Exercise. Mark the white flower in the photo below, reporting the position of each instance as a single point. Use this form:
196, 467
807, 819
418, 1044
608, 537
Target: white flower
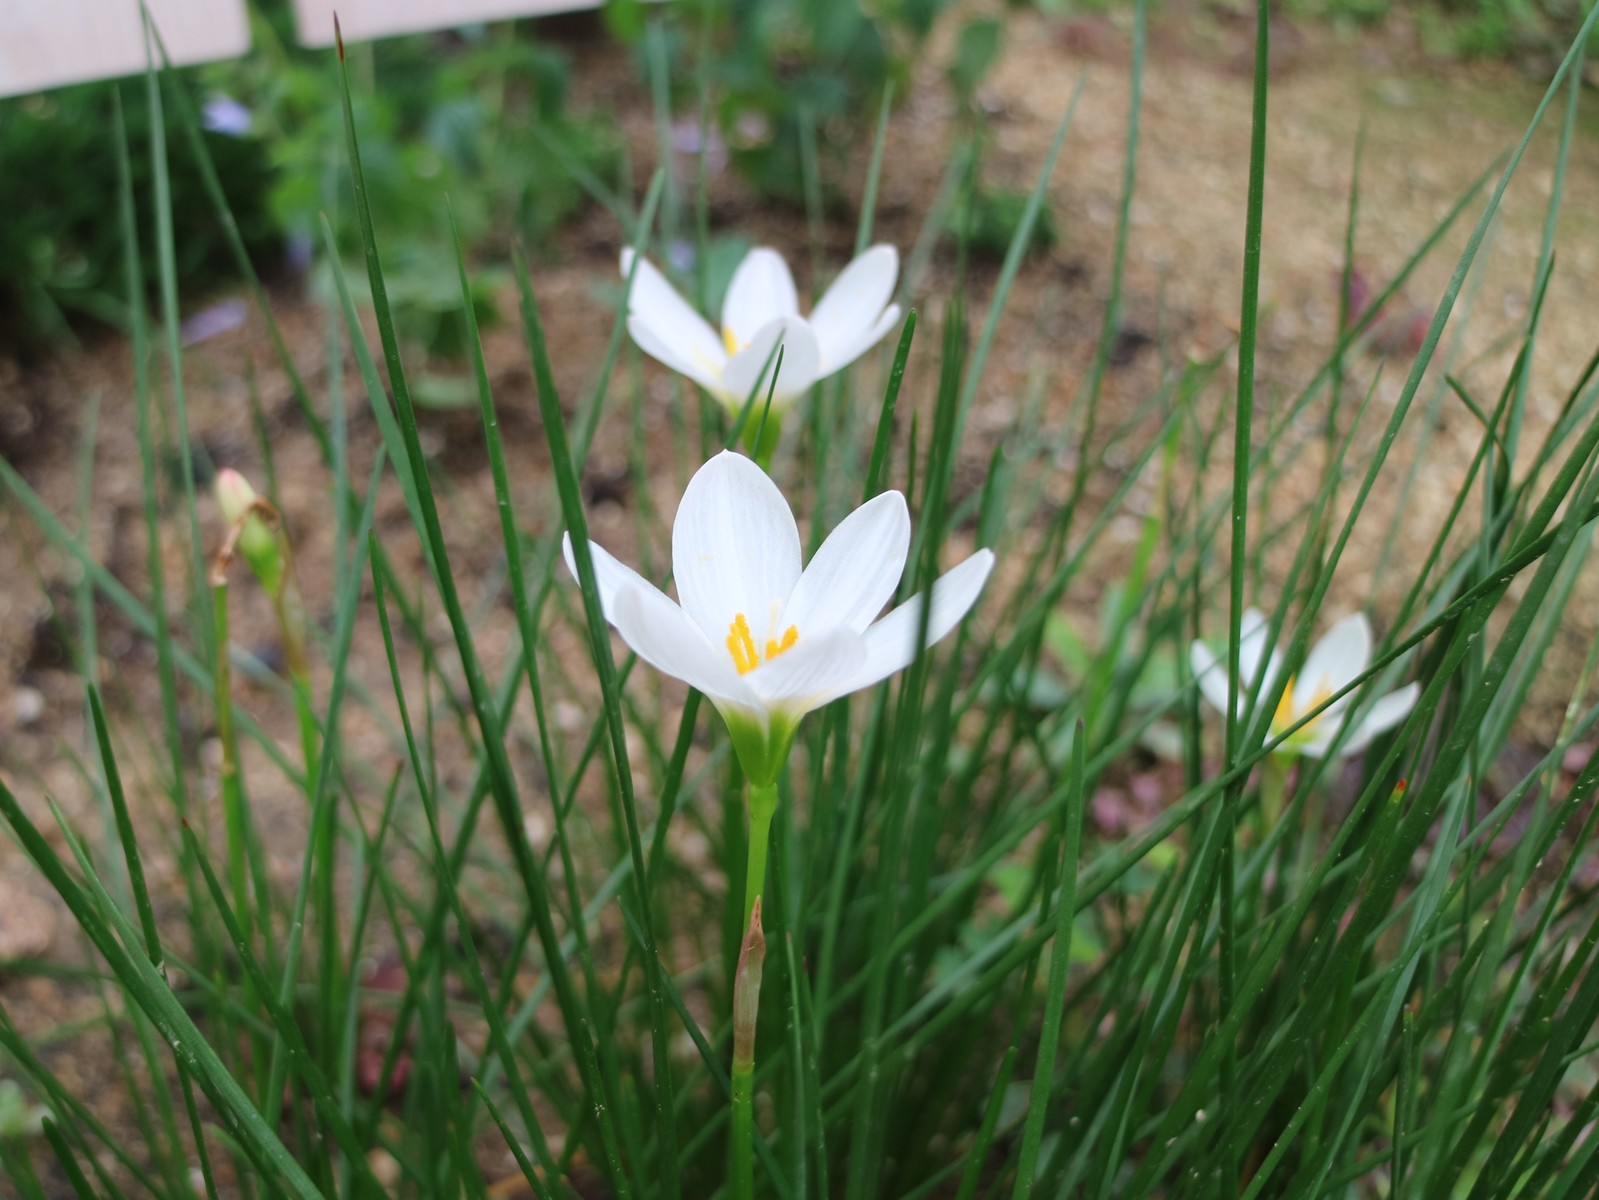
764, 640
1340, 657
761, 310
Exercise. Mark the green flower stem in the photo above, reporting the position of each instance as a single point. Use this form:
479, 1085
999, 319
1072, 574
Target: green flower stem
290, 610
1273, 787
292, 627
746, 1010
763, 803
232, 798
747, 995
235, 820
761, 435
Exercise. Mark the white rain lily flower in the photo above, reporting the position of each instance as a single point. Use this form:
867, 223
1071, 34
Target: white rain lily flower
761, 310
1340, 657
764, 640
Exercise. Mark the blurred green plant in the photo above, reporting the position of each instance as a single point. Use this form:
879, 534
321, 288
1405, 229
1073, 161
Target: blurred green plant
480, 116
786, 71
60, 259
1389, 988
790, 78
1467, 28
19, 1117
989, 217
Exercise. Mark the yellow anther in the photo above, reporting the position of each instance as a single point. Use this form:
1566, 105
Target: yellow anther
741, 645
730, 340
1287, 714
1284, 716
774, 648
1322, 694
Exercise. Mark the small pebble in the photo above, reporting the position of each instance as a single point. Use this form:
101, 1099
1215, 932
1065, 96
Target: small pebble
27, 706
537, 827
27, 923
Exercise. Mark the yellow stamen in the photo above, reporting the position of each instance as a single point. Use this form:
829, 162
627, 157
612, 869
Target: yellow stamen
730, 340
774, 648
741, 645
1287, 714
1284, 716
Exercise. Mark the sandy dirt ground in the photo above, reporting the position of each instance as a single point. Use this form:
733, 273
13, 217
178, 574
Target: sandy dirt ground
1430, 128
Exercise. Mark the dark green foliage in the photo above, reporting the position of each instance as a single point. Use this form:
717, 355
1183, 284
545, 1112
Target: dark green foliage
60, 258
1289, 978
1512, 29
483, 120
976, 48
989, 219
780, 70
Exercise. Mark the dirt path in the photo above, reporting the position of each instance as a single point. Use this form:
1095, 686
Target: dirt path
1430, 131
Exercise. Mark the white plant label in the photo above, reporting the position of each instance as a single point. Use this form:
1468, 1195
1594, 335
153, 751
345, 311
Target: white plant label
364, 20
50, 43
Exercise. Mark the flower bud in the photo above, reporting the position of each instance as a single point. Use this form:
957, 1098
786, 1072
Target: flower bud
235, 496
747, 992
241, 507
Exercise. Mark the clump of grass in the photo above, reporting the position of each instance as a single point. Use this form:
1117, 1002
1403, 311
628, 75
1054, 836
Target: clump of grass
1301, 976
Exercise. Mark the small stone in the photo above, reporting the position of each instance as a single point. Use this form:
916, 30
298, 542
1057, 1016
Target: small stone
27, 923
537, 827
385, 1167
27, 706
692, 848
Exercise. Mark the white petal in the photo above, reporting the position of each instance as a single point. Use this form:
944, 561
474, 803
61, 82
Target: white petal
891, 642
673, 321
735, 549
612, 575
703, 371
1316, 748
1252, 646
811, 673
798, 372
1333, 662
1211, 674
1382, 716
762, 289
837, 357
850, 315
855, 571
662, 635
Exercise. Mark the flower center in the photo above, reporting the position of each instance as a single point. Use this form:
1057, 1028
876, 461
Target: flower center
1287, 714
746, 655
730, 340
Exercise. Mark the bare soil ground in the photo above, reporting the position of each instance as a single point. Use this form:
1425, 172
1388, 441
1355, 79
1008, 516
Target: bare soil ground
1431, 129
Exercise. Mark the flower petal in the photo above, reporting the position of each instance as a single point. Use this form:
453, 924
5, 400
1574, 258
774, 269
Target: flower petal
837, 356
610, 574
654, 303
891, 642
662, 635
1383, 715
762, 290
701, 370
1252, 646
798, 372
735, 549
849, 316
1211, 674
1333, 662
810, 674
855, 571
